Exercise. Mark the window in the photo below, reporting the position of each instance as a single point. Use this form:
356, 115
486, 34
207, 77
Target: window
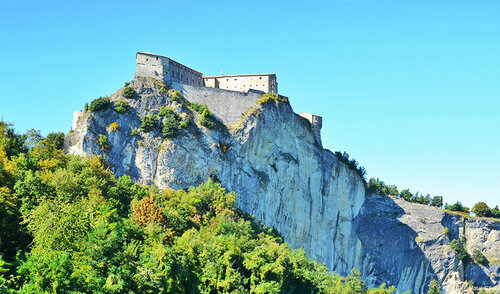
146, 59
235, 79
156, 57
227, 79
260, 78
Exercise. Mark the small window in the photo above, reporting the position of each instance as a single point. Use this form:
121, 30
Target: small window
235, 79
146, 59
227, 79
260, 78
156, 57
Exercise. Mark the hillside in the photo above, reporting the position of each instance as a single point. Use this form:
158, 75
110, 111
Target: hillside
282, 175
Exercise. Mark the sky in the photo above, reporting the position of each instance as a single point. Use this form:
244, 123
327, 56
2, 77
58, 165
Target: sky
410, 89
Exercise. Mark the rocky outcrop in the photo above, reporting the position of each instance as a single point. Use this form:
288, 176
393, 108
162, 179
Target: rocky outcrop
286, 179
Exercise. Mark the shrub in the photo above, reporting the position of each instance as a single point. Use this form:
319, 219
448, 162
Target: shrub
185, 123
140, 143
351, 163
379, 187
98, 104
128, 92
134, 132
121, 107
174, 95
103, 142
148, 122
462, 254
113, 126
457, 207
481, 209
164, 111
170, 125
479, 257
207, 120
198, 107
446, 230
126, 84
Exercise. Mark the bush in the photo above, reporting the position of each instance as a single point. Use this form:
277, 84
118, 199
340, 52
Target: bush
164, 111
170, 124
128, 92
481, 209
113, 126
100, 103
462, 254
269, 96
185, 123
479, 257
457, 207
103, 142
446, 230
437, 201
174, 95
126, 84
148, 122
121, 107
207, 120
134, 132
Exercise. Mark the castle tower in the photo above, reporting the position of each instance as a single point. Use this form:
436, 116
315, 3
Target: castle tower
316, 124
166, 70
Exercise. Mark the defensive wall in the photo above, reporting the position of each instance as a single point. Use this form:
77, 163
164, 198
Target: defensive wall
225, 104
316, 124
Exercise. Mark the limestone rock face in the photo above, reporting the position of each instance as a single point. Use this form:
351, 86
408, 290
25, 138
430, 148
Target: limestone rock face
284, 178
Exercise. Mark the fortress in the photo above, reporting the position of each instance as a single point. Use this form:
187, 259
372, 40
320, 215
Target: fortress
226, 95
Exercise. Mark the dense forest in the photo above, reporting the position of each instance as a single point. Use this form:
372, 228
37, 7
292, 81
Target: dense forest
68, 225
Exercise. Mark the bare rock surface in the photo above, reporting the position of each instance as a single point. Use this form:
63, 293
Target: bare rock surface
284, 178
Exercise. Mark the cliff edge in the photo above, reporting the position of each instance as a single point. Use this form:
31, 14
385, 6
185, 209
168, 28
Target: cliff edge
271, 157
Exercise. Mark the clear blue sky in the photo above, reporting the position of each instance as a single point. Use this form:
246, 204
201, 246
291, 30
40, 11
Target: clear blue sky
409, 88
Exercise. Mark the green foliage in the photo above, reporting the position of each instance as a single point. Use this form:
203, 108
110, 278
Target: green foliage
437, 201
175, 95
171, 124
457, 207
479, 257
99, 104
185, 123
128, 92
434, 288
462, 253
122, 106
351, 163
446, 230
148, 123
495, 212
103, 142
56, 140
481, 209
126, 84
134, 132
379, 187
207, 120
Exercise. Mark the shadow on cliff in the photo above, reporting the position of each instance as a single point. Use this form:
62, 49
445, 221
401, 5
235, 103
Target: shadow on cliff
390, 252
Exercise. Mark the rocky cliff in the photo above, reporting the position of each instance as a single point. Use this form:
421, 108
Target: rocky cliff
286, 179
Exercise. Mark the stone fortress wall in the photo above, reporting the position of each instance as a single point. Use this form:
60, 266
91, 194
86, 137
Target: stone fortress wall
262, 82
227, 96
166, 69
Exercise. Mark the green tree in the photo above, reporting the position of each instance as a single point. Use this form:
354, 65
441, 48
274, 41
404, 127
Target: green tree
434, 288
481, 209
